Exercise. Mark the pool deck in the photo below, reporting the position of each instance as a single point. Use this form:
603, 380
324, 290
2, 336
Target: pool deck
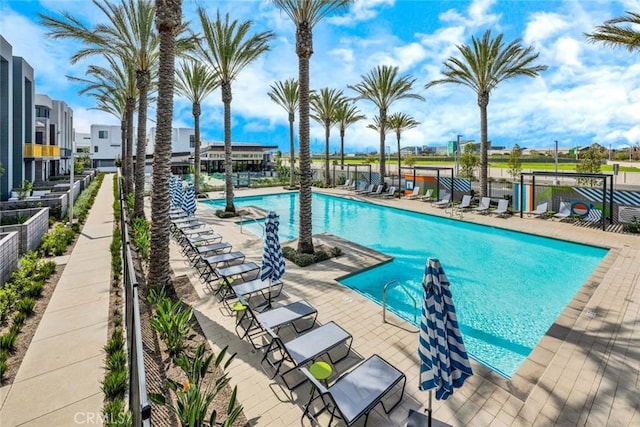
585, 371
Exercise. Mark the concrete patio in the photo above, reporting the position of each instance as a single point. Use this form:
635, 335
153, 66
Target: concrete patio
585, 371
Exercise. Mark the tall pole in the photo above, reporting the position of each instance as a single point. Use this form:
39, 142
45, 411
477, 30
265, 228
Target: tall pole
556, 182
457, 155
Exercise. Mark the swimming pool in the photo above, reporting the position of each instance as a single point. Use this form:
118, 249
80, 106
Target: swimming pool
508, 287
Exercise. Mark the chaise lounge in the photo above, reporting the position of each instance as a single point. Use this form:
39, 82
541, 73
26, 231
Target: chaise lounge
357, 392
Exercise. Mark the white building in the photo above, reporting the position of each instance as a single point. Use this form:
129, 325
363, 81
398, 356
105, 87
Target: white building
54, 127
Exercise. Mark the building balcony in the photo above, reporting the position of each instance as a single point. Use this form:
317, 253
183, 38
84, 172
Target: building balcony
41, 152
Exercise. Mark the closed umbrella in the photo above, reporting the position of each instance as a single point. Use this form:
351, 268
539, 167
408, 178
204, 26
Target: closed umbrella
444, 364
173, 186
273, 265
189, 201
179, 193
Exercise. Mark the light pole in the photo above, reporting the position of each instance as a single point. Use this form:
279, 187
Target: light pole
457, 156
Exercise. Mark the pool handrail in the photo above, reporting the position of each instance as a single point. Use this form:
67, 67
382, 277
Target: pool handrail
384, 299
248, 218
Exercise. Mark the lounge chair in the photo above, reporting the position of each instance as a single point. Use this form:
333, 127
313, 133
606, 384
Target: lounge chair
465, 203
414, 194
445, 202
367, 190
427, 196
564, 211
304, 349
346, 184
501, 210
251, 324
357, 392
483, 207
540, 211
206, 265
376, 193
389, 194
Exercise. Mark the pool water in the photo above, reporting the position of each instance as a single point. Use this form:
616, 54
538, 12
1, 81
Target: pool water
508, 287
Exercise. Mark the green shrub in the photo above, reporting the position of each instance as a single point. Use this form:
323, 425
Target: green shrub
140, 237
3, 367
55, 241
19, 318
632, 227
173, 323
116, 361
8, 340
115, 384
116, 414
303, 260
116, 343
35, 290
26, 305
116, 256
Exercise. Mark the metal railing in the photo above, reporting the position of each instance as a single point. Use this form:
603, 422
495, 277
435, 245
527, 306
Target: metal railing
384, 299
139, 404
244, 218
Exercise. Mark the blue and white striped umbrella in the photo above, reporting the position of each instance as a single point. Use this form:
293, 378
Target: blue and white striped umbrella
273, 264
189, 201
179, 193
444, 361
172, 190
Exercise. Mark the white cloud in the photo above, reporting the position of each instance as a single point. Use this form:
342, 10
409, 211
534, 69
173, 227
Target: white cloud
361, 10
542, 26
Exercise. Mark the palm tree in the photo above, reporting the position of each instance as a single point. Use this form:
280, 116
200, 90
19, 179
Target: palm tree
168, 23
305, 14
228, 49
195, 81
346, 115
115, 91
129, 34
324, 108
482, 66
618, 32
398, 123
383, 87
286, 95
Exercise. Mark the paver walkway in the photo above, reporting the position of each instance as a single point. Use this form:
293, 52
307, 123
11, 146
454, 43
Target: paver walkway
58, 383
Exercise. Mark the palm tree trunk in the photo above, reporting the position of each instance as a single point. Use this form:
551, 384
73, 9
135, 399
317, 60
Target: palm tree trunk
399, 163
383, 132
228, 164
196, 149
131, 108
304, 49
327, 133
483, 101
342, 148
168, 17
292, 154
143, 79
123, 143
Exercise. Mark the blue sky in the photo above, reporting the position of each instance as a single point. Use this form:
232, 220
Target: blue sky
590, 93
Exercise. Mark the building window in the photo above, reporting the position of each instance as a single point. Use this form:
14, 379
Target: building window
192, 141
95, 149
103, 134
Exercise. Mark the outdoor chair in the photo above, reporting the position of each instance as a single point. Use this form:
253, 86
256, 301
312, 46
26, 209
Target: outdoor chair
389, 194
366, 190
206, 265
501, 210
564, 211
444, 202
414, 194
216, 248
251, 324
377, 192
483, 207
540, 211
265, 288
427, 196
304, 349
346, 185
465, 203
190, 245
357, 392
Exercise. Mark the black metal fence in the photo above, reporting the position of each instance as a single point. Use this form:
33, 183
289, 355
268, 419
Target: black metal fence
138, 399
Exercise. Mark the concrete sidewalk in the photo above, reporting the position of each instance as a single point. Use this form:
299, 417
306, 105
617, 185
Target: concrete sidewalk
58, 383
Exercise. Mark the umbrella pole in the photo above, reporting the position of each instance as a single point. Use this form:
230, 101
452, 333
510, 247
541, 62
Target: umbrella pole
430, 409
